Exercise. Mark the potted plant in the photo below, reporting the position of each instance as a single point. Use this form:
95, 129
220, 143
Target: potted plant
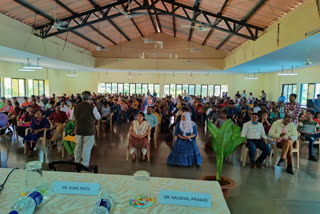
224, 141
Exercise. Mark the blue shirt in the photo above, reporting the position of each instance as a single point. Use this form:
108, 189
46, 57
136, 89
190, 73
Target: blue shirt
3, 120
282, 99
316, 103
152, 119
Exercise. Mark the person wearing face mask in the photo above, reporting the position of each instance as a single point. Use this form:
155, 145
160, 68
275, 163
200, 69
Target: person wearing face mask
285, 133
255, 134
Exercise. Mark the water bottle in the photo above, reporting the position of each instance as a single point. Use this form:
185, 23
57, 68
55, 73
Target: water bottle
104, 203
39, 195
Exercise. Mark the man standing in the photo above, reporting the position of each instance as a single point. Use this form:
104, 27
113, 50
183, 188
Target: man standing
244, 95
292, 108
255, 134
309, 129
284, 132
85, 115
152, 119
282, 98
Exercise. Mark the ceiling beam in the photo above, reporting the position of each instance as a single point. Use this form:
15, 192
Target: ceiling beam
245, 19
146, 4
215, 22
90, 18
81, 19
157, 17
173, 21
132, 20
96, 6
195, 15
51, 19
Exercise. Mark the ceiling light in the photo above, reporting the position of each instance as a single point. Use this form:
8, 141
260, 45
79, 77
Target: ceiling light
287, 74
71, 75
35, 67
251, 78
26, 69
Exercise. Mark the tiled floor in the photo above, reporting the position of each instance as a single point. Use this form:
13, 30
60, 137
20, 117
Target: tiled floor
260, 191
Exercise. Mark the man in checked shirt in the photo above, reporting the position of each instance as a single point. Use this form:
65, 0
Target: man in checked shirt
292, 108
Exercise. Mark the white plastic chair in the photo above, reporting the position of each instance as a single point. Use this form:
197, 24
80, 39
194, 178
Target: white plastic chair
245, 150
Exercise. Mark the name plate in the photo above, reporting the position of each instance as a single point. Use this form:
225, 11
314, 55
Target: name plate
76, 188
191, 199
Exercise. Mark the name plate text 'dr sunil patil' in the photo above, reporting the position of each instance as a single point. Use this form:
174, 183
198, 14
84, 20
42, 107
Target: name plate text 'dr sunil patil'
76, 188
191, 199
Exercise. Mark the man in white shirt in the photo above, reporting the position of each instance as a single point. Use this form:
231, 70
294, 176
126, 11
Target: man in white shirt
244, 95
255, 134
63, 106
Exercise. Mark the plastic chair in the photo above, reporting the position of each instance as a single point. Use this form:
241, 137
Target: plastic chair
110, 121
245, 150
148, 150
43, 142
70, 166
276, 151
303, 141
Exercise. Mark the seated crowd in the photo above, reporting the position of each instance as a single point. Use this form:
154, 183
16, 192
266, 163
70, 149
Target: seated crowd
264, 124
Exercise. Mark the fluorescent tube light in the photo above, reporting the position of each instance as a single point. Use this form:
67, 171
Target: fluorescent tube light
251, 78
25, 69
33, 67
71, 75
287, 74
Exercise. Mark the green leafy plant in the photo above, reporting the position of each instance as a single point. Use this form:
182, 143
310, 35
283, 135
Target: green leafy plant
224, 141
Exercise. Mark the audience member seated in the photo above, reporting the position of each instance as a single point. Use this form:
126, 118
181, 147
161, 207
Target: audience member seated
105, 111
50, 109
265, 122
309, 130
3, 122
40, 103
152, 119
63, 106
139, 131
38, 126
58, 119
26, 103
153, 109
34, 105
69, 141
285, 133
13, 115
25, 121
241, 116
44, 100
69, 112
255, 134
185, 151
317, 117
6, 109
3, 102
256, 108
275, 114
224, 117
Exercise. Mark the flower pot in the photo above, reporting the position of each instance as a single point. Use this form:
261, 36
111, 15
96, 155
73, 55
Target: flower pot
225, 183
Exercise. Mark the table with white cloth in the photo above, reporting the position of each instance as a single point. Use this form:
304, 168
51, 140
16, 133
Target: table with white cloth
122, 185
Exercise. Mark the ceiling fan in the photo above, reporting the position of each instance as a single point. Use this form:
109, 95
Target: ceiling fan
200, 27
58, 24
125, 13
308, 62
192, 50
148, 41
99, 49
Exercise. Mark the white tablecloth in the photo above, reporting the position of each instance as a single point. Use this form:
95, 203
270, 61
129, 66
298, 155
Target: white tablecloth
123, 186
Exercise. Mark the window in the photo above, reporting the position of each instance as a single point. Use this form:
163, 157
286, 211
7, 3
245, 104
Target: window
204, 90
108, 88
120, 88
35, 87
224, 88
178, 90
186, 88
210, 90
14, 87
157, 89
172, 90
102, 88
308, 91
126, 88
138, 88
288, 89
151, 88
191, 90
198, 90
132, 88
144, 89
114, 88
166, 90
217, 90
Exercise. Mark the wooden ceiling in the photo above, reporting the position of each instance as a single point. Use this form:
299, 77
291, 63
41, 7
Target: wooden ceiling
259, 13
